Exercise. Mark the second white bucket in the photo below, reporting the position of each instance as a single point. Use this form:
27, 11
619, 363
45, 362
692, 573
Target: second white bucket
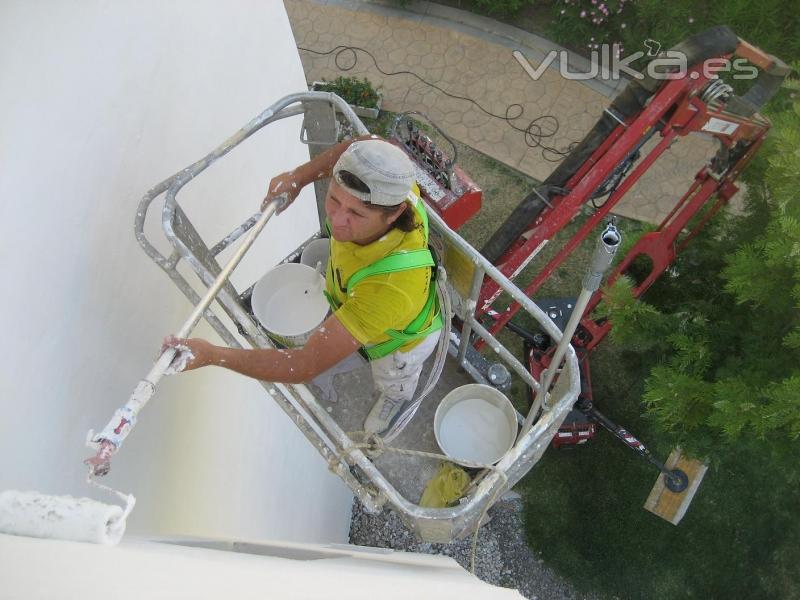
315, 252
289, 303
475, 423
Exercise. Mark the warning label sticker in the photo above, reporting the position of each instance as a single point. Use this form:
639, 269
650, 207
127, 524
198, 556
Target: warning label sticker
719, 126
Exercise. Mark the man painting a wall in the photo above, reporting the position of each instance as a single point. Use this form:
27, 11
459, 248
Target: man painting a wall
378, 280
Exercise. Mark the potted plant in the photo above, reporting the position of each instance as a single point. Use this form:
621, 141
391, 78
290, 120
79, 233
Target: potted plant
358, 93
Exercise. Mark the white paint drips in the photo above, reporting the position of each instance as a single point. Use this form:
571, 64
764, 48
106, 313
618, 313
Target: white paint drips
182, 358
236, 233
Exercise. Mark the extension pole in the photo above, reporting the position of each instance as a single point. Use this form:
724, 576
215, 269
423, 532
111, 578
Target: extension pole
604, 253
110, 439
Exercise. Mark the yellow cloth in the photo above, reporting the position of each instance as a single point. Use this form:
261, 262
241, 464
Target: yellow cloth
446, 487
380, 302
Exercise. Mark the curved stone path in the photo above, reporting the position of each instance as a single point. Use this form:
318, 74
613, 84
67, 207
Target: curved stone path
468, 55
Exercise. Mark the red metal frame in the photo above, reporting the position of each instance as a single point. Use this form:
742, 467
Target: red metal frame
678, 110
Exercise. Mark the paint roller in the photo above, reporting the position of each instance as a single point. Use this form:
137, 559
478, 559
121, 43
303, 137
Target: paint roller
85, 520
62, 517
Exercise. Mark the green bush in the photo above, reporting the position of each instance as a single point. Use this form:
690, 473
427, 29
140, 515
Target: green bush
500, 7
714, 353
772, 25
730, 348
589, 23
352, 90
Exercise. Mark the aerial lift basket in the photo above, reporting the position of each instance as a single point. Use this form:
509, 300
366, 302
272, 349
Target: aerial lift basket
323, 114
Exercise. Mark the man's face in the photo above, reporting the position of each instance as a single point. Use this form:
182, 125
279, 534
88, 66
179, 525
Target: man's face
352, 220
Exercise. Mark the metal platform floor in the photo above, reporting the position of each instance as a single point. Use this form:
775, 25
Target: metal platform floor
346, 391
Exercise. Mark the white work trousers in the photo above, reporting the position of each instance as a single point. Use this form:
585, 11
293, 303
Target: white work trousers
396, 375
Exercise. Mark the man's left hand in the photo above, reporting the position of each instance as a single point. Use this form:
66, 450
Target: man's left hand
193, 353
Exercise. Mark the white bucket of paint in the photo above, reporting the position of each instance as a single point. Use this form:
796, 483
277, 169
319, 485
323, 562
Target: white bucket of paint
475, 423
289, 303
315, 252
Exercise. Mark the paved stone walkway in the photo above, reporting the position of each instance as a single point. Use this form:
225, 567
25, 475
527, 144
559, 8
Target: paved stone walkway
471, 56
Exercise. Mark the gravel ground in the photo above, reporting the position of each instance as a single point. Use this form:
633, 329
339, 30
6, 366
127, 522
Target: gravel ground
502, 557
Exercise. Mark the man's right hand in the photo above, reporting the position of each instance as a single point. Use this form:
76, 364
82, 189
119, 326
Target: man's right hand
319, 167
285, 183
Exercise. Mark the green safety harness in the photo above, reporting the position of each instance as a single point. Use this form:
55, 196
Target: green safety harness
392, 263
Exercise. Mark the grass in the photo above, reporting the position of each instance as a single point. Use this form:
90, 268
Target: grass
584, 514
583, 507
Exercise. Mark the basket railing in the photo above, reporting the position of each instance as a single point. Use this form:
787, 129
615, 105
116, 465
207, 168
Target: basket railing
344, 456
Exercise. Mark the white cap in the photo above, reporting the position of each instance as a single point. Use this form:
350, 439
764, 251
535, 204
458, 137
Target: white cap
382, 167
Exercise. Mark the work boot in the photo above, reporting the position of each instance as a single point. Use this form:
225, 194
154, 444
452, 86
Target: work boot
382, 414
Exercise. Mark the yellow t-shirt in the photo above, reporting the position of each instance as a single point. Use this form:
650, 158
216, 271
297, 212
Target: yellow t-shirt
380, 302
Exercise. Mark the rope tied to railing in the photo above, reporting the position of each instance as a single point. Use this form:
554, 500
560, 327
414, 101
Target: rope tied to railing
374, 445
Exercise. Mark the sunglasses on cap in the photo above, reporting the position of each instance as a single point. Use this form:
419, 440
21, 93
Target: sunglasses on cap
351, 181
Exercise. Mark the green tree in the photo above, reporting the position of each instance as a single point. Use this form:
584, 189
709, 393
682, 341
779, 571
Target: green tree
725, 331
721, 331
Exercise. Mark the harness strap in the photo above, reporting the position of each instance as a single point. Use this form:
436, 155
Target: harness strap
401, 261
401, 338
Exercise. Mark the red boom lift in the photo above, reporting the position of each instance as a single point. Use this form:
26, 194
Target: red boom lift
607, 163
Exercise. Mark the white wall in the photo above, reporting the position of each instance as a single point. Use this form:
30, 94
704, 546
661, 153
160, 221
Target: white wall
136, 570
99, 101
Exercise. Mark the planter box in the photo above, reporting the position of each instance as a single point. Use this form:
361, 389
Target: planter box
367, 113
